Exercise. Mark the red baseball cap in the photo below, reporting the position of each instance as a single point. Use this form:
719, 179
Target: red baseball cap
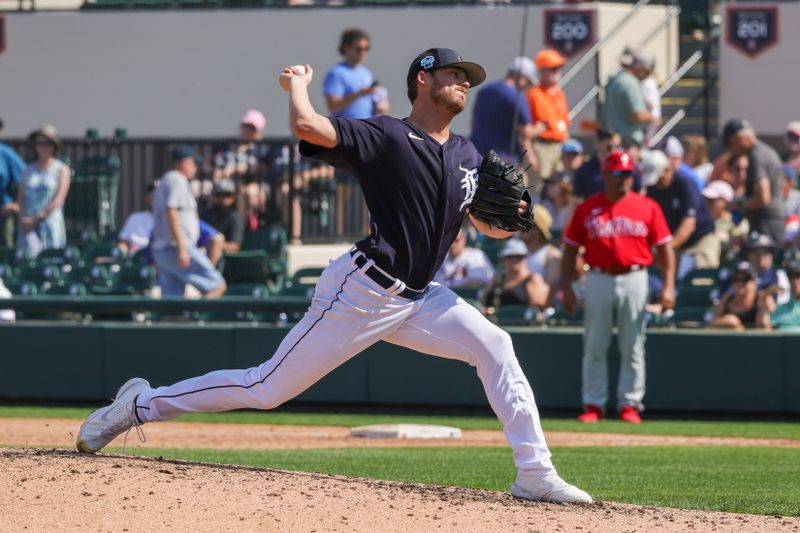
618, 161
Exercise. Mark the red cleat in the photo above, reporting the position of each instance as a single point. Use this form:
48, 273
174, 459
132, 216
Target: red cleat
591, 415
630, 414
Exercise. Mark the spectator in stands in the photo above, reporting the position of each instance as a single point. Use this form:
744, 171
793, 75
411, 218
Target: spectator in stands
786, 317
138, 228
501, 119
759, 250
558, 199
465, 266
549, 113
744, 306
515, 284
543, 258
42, 191
349, 88
11, 168
253, 207
792, 141
675, 152
719, 195
224, 217
652, 98
696, 155
624, 109
176, 230
571, 157
762, 202
249, 155
691, 225
588, 179
791, 196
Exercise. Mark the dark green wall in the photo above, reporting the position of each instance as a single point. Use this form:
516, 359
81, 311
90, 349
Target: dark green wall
701, 371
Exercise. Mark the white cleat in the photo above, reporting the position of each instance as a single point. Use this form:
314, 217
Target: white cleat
547, 488
105, 424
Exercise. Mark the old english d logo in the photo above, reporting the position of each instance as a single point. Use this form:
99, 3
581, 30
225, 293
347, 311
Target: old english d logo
469, 184
751, 30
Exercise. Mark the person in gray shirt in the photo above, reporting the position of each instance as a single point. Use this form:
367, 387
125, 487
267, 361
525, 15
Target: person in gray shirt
624, 109
176, 228
762, 202
791, 196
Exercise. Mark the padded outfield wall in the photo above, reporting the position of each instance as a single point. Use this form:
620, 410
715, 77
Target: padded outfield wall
687, 371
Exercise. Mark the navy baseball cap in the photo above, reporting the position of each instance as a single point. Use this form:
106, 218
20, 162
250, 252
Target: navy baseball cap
182, 151
434, 58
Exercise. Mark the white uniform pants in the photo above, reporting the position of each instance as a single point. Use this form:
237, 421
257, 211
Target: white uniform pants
350, 312
608, 298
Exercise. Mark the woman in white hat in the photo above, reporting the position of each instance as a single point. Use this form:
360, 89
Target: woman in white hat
42, 190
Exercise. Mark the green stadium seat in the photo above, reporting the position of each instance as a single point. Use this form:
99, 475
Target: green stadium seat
39, 274
90, 275
134, 279
246, 267
491, 247
8, 255
691, 317
272, 240
59, 256
62, 288
20, 287
561, 318
516, 315
699, 288
468, 293
104, 252
254, 290
302, 283
7, 272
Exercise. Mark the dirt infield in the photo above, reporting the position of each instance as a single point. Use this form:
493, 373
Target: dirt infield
44, 490
61, 433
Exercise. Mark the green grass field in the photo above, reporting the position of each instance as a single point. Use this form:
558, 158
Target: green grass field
772, 430
741, 480
756, 480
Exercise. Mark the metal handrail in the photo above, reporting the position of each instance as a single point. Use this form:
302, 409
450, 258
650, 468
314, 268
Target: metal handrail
595, 90
688, 64
589, 55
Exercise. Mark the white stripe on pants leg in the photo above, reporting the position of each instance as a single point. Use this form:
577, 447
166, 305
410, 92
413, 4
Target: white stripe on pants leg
345, 318
608, 297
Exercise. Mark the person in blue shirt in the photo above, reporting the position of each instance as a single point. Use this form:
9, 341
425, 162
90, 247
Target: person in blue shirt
500, 118
675, 152
11, 167
686, 212
349, 88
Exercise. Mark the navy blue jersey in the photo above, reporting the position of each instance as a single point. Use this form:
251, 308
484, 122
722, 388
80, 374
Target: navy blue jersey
680, 200
417, 190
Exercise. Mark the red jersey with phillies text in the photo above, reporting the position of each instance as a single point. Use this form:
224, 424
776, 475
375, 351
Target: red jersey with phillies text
618, 234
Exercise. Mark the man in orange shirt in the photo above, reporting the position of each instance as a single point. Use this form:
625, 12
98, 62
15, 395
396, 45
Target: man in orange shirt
549, 113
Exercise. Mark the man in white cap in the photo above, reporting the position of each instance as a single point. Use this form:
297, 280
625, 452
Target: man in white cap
686, 212
624, 109
500, 119
675, 152
792, 141
719, 195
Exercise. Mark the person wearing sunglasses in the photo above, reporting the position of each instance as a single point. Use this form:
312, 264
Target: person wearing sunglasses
792, 141
743, 306
618, 229
349, 88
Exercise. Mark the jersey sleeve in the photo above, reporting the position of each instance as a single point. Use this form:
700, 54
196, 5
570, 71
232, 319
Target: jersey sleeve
659, 231
575, 233
359, 142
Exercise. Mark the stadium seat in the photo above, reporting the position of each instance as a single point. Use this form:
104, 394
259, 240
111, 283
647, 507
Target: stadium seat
134, 279
561, 318
8, 255
691, 317
302, 283
7, 272
59, 256
516, 315
491, 247
272, 240
104, 252
62, 288
39, 274
246, 267
699, 288
90, 275
20, 287
254, 290
468, 293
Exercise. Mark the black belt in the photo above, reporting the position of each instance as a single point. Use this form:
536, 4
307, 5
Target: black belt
384, 280
618, 270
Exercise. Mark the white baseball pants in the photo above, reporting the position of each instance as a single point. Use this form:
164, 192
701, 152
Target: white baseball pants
610, 301
350, 312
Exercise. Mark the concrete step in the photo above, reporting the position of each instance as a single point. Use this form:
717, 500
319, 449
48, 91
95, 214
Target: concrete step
689, 88
681, 101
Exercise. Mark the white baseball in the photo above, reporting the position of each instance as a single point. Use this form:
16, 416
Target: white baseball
299, 69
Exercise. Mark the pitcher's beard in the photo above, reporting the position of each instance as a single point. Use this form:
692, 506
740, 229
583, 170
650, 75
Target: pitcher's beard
449, 101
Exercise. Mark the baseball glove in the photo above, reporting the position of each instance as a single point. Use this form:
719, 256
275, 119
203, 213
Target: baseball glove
497, 196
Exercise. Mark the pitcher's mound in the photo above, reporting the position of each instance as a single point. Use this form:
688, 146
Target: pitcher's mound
47, 489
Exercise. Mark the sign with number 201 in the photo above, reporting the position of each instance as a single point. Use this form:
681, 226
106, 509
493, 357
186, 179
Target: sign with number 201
752, 30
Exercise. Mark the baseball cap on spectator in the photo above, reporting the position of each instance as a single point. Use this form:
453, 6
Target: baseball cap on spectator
632, 56
255, 118
225, 186
744, 267
618, 161
759, 241
732, 127
654, 163
572, 146
513, 248
435, 58
793, 269
543, 220
718, 189
524, 67
182, 151
549, 59
673, 147
793, 127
